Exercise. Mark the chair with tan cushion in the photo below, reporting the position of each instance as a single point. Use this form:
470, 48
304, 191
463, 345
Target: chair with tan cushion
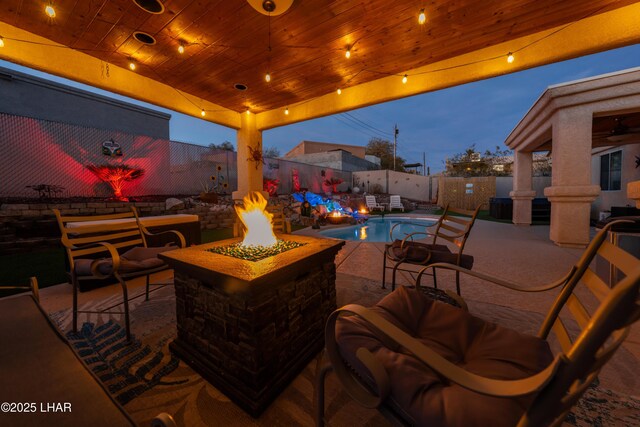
110, 246
423, 362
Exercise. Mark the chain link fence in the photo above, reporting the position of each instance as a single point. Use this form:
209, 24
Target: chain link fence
40, 155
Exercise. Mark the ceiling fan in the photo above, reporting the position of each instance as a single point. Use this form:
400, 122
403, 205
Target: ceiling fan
620, 133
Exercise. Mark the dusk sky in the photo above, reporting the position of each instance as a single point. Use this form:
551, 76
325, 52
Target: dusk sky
440, 123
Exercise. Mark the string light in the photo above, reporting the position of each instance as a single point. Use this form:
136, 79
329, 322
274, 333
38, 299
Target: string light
286, 111
1, 42
132, 65
339, 91
404, 79
202, 113
347, 54
181, 48
50, 11
267, 77
510, 57
422, 18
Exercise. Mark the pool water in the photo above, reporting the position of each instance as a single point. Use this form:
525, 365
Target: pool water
377, 229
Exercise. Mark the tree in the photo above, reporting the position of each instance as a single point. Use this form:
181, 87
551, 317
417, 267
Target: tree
383, 149
271, 152
226, 145
473, 163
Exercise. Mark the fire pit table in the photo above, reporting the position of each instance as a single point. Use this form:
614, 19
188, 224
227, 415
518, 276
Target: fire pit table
249, 327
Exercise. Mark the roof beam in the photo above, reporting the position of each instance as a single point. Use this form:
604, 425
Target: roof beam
62, 61
609, 30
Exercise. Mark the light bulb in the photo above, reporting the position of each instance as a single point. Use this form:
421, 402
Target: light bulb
404, 79
267, 77
132, 65
422, 18
339, 91
510, 58
347, 54
202, 113
286, 111
248, 113
181, 48
49, 10
1, 42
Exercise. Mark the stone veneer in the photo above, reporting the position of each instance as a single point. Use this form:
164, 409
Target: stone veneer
24, 226
250, 327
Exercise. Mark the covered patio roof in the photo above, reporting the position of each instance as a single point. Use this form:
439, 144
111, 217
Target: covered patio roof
227, 42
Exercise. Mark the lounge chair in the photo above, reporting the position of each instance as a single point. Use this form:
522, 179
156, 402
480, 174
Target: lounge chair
372, 203
395, 203
422, 362
450, 227
87, 237
39, 368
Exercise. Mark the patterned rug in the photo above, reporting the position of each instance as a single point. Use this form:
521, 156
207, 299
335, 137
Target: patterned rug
147, 379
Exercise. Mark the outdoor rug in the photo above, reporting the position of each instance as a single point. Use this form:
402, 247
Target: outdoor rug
147, 379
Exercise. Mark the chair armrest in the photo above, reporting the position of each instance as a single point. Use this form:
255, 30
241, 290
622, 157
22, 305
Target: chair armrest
181, 241
115, 257
496, 280
390, 333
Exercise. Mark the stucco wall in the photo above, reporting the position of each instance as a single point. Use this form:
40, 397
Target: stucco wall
606, 199
28, 96
407, 185
310, 147
334, 159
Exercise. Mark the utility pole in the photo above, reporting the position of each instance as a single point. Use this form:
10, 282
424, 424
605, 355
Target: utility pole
395, 141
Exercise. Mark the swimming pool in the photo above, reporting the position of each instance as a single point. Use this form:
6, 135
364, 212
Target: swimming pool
377, 229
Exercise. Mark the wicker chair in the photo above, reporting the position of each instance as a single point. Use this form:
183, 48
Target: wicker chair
86, 237
450, 227
469, 371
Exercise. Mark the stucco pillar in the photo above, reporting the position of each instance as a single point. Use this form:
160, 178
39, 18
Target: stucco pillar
571, 192
522, 193
249, 171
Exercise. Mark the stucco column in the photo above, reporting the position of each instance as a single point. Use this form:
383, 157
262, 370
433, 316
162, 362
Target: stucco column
522, 193
249, 171
571, 192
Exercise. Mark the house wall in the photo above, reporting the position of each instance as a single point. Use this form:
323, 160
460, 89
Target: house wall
29, 96
340, 160
630, 172
310, 147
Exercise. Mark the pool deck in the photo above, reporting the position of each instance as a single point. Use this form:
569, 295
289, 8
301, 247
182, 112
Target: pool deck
522, 254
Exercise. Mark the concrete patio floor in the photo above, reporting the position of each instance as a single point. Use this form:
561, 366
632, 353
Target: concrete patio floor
520, 254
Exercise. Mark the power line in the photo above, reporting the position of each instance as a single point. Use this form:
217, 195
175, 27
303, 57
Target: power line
367, 124
347, 123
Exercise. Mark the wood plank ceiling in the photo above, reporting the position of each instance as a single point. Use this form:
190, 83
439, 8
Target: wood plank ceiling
227, 40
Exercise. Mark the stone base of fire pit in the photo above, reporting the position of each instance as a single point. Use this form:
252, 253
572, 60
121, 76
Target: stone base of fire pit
250, 327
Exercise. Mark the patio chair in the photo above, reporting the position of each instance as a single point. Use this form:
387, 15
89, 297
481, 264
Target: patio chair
395, 203
422, 362
87, 237
372, 203
450, 227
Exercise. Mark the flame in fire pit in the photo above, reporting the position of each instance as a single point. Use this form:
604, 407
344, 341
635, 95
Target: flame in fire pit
257, 221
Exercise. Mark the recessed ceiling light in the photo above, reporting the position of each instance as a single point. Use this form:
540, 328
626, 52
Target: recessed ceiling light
152, 6
50, 11
143, 37
240, 86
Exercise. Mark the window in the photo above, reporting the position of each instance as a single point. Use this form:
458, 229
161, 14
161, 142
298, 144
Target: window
611, 171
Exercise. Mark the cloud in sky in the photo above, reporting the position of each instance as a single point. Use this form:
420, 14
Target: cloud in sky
440, 123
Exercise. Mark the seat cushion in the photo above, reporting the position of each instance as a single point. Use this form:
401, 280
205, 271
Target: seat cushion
466, 261
478, 346
415, 251
135, 259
